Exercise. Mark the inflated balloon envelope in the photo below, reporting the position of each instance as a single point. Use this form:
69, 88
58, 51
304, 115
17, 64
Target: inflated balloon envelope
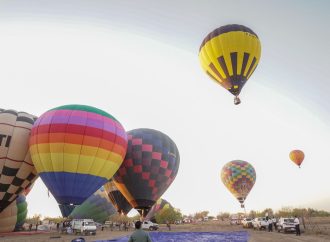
17, 171
239, 177
13, 217
229, 55
150, 166
76, 149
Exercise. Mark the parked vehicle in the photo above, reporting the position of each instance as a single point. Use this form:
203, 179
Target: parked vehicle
83, 226
260, 223
247, 223
149, 225
286, 225
235, 219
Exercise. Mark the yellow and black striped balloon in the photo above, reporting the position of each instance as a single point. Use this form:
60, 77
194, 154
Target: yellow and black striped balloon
229, 55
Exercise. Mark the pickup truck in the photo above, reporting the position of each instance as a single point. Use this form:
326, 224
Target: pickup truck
148, 225
260, 223
286, 225
83, 226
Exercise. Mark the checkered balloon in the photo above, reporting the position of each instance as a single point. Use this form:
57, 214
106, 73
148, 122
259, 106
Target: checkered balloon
17, 171
150, 166
239, 177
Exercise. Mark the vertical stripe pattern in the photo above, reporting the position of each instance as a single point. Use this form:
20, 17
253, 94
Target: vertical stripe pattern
229, 55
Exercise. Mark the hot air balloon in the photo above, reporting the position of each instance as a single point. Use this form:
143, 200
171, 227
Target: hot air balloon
76, 149
229, 55
13, 217
17, 171
150, 166
239, 177
156, 208
117, 199
297, 156
97, 207
28, 189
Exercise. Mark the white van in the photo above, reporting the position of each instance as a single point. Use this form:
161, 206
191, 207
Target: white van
83, 226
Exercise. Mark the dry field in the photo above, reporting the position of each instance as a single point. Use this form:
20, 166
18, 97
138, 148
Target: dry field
320, 233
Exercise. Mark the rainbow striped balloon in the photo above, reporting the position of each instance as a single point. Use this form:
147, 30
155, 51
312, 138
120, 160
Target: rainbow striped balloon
76, 149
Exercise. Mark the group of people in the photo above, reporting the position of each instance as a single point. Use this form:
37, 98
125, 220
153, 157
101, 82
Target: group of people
121, 226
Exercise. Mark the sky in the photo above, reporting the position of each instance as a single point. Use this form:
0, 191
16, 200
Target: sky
139, 62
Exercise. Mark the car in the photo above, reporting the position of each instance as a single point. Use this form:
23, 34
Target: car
259, 223
286, 225
83, 226
247, 223
148, 225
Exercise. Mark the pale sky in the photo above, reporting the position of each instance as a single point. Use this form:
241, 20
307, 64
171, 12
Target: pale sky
139, 62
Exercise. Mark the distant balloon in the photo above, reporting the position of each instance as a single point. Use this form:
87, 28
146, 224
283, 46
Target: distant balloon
97, 207
76, 149
13, 217
239, 177
297, 156
150, 166
117, 199
17, 171
157, 208
229, 55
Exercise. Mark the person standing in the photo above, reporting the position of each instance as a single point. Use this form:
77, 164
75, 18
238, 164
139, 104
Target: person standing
270, 225
139, 235
297, 225
168, 225
275, 223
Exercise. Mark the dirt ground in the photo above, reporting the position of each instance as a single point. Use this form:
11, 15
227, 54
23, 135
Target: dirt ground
254, 236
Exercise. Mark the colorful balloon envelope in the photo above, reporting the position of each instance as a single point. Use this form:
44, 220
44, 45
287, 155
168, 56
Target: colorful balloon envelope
156, 208
297, 156
17, 171
13, 217
229, 55
97, 207
239, 177
117, 199
150, 166
76, 149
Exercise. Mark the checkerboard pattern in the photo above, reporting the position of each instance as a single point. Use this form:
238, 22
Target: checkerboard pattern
150, 166
239, 177
17, 171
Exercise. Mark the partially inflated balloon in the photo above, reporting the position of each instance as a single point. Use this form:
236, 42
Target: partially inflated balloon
157, 208
297, 156
97, 207
13, 217
239, 177
21, 212
117, 199
150, 166
17, 171
76, 149
229, 55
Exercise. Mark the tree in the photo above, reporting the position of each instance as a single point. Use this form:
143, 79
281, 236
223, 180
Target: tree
34, 220
223, 215
201, 215
169, 214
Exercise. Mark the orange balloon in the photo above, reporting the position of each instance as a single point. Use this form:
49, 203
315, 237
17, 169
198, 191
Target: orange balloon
297, 156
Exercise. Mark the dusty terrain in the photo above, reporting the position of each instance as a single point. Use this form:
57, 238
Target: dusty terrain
254, 236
